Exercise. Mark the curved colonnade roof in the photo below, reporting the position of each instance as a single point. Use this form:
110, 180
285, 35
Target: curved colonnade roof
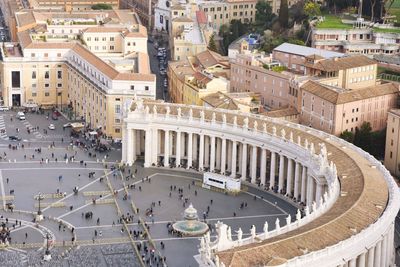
363, 199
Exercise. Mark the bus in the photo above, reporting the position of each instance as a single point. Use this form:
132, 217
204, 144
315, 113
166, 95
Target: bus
221, 181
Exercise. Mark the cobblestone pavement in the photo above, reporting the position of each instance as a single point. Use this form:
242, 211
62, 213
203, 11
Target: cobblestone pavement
84, 228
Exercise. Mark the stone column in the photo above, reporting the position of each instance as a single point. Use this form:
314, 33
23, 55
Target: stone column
218, 158
148, 151
310, 190
154, 145
384, 251
234, 159
178, 149
371, 257
229, 155
352, 262
244, 161
124, 144
201, 152
212, 155
281, 172
206, 151
166, 148
195, 147
303, 195
296, 181
129, 147
240, 155
190, 150
263, 167
272, 170
361, 260
254, 165
318, 193
134, 145
289, 177
378, 253
223, 156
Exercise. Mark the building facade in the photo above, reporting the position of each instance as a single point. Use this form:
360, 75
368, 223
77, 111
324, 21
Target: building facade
356, 41
392, 147
90, 72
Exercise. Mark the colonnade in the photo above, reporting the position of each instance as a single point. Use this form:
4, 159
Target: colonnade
379, 255
272, 170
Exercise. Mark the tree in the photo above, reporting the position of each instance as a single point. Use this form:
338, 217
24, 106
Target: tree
363, 137
284, 14
264, 16
101, 6
312, 9
211, 44
348, 136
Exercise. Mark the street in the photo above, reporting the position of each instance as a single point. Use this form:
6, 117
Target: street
161, 91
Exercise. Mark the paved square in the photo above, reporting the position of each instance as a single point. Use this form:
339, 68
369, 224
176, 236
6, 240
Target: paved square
85, 228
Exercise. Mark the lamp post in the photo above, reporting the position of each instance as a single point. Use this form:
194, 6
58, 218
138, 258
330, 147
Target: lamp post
47, 255
39, 216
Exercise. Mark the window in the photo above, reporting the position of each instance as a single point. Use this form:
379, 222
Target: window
111, 39
146, 88
132, 87
59, 74
117, 109
391, 154
104, 39
46, 94
34, 94
117, 130
111, 47
46, 74
46, 85
88, 39
161, 19
58, 54
15, 79
46, 54
117, 121
33, 85
33, 74
33, 55
96, 39
59, 85
46, 66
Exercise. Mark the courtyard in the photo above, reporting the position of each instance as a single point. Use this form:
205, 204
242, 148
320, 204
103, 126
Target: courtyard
98, 213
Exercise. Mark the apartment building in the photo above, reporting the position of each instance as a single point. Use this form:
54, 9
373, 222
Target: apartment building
365, 41
190, 34
195, 77
293, 57
250, 73
56, 63
330, 91
218, 12
334, 110
392, 147
74, 5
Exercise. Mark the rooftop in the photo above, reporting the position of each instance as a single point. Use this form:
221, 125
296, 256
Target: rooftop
335, 96
343, 63
333, 22
305, 51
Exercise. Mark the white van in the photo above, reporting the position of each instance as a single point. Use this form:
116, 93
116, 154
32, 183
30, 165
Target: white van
21, 116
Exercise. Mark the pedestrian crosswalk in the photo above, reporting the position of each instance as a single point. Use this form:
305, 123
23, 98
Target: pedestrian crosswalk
36, 133
3, 131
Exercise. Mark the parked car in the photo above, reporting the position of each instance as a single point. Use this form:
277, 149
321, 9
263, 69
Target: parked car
52, 127
21, 116
67, 125
3, 108
14, 138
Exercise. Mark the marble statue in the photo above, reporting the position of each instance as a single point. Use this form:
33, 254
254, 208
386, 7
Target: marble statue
283, 133
264, 127
229, 233
239, 234
224, 118
179, 112
190, 113
288, 219
273, 130
298, 215
155, 109
168, 110
246, 123
277, 224
202, 115
235, 121
265, 229
253, 231
213, 117
255, 125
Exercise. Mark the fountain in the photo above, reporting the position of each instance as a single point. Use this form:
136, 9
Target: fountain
191, 226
